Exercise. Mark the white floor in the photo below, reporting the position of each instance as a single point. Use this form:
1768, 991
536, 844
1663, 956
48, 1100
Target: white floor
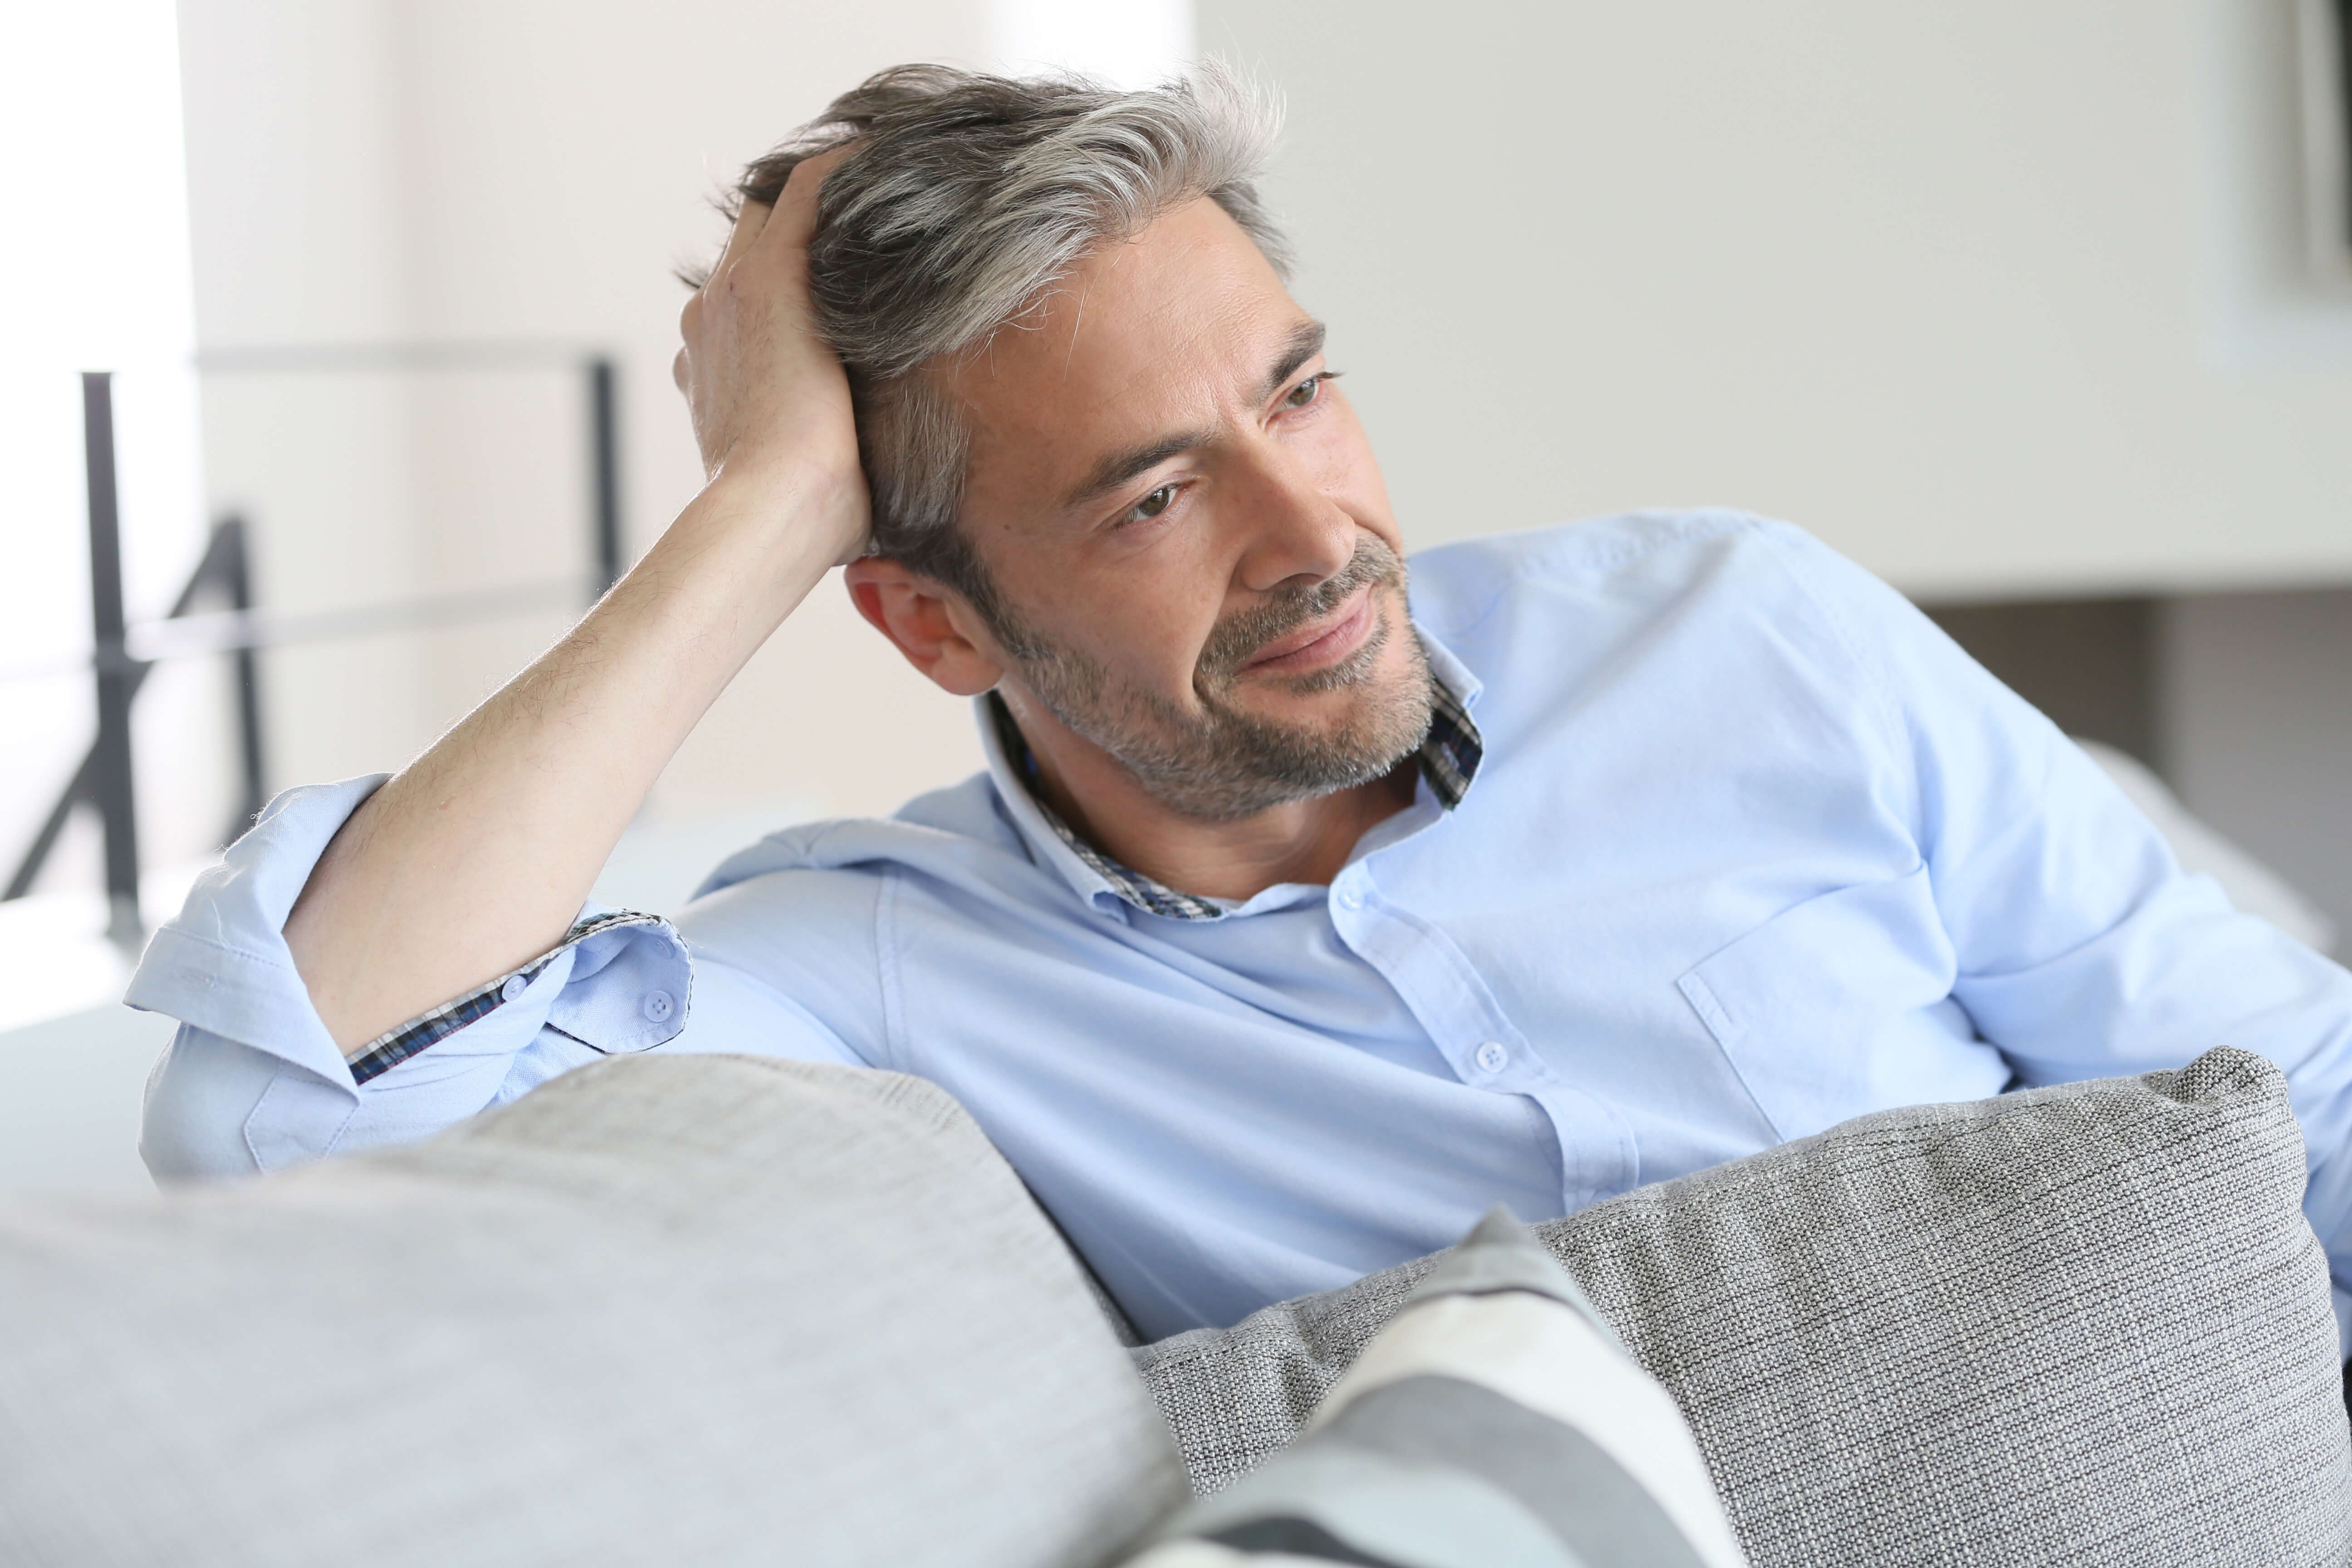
73, 1059
69, 1100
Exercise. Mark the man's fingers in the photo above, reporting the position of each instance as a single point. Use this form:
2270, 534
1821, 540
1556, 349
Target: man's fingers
748, 224
746, 329
795, 215
797, 203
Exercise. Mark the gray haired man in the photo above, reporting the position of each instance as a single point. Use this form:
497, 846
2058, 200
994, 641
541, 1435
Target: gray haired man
1296, 920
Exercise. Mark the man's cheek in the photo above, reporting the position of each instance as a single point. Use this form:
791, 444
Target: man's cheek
1138, 641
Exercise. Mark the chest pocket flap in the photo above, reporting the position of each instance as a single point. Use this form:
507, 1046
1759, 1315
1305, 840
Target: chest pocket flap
1821, 1005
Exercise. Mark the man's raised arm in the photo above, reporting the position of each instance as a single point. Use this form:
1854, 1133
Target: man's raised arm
477, 857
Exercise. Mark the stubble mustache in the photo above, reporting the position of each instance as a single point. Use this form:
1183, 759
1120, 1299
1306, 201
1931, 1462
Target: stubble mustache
1237, 639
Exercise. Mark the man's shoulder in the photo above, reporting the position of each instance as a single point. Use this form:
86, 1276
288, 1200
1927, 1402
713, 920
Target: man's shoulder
952, 851
1747, 608
1642, 554
1462, 578
960, 823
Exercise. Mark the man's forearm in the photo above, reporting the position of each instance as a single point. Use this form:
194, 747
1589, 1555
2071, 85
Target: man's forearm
477, 857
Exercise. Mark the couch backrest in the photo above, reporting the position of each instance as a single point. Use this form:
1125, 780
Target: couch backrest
694, 1309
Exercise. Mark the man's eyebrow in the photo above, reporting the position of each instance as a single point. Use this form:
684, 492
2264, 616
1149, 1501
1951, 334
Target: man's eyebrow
1304, 343
1121, 467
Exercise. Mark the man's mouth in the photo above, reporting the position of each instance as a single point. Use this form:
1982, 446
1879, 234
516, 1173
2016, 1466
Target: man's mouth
1320, 643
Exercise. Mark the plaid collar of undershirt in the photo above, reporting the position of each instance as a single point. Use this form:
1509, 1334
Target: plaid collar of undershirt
1449, 757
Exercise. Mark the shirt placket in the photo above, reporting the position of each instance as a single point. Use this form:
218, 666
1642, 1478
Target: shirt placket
1485, 1049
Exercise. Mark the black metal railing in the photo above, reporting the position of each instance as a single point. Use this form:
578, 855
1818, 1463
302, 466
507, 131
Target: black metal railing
2341, 67
125, 652
94, 785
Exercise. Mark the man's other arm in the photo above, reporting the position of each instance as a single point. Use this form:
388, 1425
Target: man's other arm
2084, 950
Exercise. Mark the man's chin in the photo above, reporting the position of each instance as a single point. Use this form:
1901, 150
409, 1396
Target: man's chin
1261, 742
1329, 714
1376, 715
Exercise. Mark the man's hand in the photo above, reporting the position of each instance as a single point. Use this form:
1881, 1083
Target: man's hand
765, 389
477, 857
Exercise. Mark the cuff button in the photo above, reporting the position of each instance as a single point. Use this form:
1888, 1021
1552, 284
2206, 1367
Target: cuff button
659, 1006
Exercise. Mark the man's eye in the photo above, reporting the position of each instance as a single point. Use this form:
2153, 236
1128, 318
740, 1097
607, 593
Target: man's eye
1304, 392
1152, 506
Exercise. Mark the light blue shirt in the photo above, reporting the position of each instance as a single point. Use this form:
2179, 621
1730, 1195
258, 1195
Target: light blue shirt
1754, 848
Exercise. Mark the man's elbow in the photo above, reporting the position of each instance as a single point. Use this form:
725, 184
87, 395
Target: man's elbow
198, 1101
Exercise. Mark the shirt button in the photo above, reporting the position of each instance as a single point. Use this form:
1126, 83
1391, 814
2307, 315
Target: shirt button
515, 986
659, 1005
1352, 899
1491, 1056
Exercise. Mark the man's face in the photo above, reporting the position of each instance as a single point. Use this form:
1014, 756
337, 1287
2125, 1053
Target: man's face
1199, 569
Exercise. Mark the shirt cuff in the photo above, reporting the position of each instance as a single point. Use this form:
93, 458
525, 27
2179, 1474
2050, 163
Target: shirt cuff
617, 982
221, 965
650, 1013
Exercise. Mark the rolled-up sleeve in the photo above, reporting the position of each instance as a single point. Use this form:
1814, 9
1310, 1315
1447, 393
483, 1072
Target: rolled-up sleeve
253, 1081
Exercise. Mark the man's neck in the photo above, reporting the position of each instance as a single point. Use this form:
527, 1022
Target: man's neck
1304, 841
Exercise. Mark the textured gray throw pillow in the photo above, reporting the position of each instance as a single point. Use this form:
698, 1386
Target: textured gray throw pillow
1494, 1423
702, 1309
2085, 1325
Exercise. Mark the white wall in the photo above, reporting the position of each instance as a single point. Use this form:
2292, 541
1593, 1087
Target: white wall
298, 191
1977, 291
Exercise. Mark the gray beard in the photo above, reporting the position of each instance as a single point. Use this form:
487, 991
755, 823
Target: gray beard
1221, 764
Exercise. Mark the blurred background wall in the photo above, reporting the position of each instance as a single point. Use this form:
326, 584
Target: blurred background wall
1973, 290
2044, 313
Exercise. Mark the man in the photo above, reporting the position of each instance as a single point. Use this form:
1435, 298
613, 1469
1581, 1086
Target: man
1295, 920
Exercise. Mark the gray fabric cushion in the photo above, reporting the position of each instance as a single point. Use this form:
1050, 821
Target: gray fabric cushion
696, 1308
1495, 1421
2085, 1324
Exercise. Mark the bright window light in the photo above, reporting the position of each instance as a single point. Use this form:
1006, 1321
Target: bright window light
94, 275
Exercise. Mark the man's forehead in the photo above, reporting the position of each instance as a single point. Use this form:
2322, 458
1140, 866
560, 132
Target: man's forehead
1144, 339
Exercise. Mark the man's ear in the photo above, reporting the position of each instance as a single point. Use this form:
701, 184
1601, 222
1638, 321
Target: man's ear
934, 628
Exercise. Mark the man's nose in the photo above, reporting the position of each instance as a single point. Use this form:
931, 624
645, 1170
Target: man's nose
1295, 534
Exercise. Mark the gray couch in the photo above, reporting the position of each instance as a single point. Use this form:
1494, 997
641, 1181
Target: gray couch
727, 1310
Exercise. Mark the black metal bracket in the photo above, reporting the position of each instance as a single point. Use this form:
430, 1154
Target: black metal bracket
110, 757
223, 569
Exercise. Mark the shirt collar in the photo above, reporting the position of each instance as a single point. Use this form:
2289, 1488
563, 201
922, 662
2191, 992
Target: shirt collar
1449, 755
